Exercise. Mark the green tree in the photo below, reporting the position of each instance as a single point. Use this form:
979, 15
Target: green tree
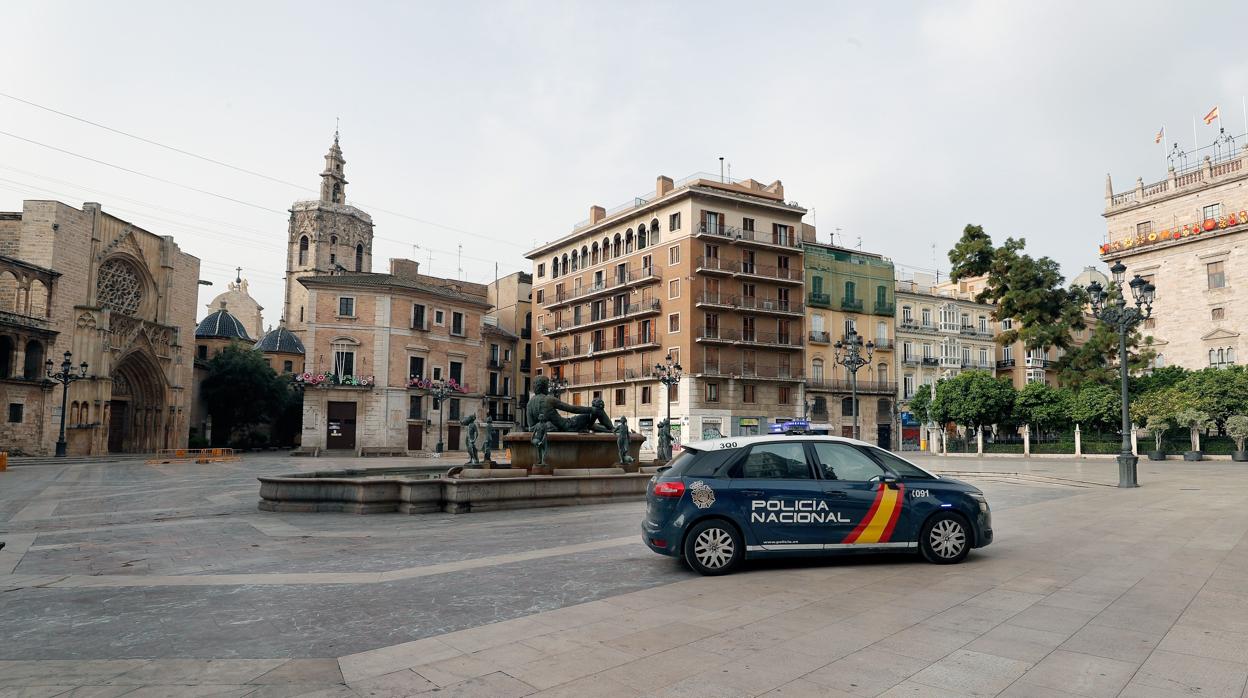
1162, 403
1027, 290
1096, 406
974, 399
1219, 392
1043, 407
1237, 428
1194, 420
240, 392
1157, 379
921, 403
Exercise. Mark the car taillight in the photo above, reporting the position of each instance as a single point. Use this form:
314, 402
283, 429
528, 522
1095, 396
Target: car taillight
669, 489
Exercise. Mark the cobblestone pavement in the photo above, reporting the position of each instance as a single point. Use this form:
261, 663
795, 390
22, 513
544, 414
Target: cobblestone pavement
137, 580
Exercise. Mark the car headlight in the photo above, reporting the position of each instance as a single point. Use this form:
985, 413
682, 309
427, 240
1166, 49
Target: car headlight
980, 499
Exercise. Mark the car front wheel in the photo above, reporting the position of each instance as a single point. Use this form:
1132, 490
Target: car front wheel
713, 547
945, 539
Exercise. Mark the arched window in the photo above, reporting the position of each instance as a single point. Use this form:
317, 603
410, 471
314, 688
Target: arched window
359, 257
628, 241
618, 247
847, 407
1213, 357
337, 192
594, 253
816, 370
33, 368
303, 250
333, 239
654, 230
1230, 355
641, 237
881, 373
564, 264
575, 255
606, 249
584, 256
554, 266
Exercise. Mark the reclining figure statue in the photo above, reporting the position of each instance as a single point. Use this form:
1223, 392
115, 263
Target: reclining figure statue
544, 408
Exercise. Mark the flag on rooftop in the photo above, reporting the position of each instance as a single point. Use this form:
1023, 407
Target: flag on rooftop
1160, 134
1212, 116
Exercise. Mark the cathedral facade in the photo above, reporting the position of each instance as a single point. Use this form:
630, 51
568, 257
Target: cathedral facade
115, 296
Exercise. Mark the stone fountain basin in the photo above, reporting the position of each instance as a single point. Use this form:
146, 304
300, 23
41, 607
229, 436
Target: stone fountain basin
413, 491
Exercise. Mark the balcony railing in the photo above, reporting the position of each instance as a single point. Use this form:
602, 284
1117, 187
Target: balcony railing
636, 276
7, 318
864, 386
951, 361
852, 304
526, 333
888, 309
885, 344
743, 370
1005, 363
769, 305
723, 300
788, 240
822, 300
930, 361
610, 315
608, 375
717, 334
911, 360
525, 365
733, 335
715, 264
820, 337
768, 271
612, 344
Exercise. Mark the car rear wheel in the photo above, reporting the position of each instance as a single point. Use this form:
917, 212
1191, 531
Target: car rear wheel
713, 547
945, 539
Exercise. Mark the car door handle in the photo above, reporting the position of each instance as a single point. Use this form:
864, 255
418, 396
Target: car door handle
753, 493
835, 494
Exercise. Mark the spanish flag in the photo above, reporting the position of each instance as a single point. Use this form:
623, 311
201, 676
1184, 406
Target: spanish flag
1212, 116
1160, 134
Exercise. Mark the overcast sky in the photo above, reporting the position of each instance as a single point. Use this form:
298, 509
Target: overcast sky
497, 125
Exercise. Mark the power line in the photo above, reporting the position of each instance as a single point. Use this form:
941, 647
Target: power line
236, 168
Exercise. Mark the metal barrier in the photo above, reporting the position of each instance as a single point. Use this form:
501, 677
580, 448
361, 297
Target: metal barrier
197, 455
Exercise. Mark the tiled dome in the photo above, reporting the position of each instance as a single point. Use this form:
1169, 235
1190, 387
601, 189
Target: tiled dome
280, 340
221, 324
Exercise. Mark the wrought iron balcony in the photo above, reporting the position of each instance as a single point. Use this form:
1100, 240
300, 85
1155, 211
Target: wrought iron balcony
888, 309
822, 300
842, 385
852, 304
820, 337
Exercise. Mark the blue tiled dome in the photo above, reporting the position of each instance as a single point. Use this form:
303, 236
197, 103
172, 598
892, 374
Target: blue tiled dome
280, 340
221, 324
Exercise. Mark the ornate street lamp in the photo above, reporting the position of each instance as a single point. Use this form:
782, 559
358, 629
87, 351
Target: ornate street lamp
849, 354
557, 385
65, 376
439, 390
669, 374
1112, 308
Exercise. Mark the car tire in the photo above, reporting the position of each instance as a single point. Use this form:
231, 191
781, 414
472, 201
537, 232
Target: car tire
713, 547
945, 539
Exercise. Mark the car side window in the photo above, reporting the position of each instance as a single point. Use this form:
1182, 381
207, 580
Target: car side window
901, 467
844, 462
779, 461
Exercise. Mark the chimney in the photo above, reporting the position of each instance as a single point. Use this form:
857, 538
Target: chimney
663, 186
776, 188
404, 268
596, 213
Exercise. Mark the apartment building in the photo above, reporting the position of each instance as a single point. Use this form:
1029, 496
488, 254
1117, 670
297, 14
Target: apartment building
849, 290
512, 298
705, 270
1186, 235
941, 331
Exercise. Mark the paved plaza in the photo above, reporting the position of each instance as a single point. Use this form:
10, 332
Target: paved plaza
164, 580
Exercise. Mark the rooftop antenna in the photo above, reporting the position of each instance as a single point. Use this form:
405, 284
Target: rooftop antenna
730, 173
459, 261
836, 235
721, 169
860, 242
429, 269
336, 123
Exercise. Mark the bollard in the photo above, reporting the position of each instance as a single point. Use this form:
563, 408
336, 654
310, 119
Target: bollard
4, 460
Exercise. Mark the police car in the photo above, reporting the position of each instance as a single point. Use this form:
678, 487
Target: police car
724, 500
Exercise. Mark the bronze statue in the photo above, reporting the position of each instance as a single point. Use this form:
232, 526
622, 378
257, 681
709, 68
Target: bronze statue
544, 407
470, 422
664, 452
487, 428
539, 442
621, 440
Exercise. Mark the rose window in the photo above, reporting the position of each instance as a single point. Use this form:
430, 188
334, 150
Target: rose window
118, 287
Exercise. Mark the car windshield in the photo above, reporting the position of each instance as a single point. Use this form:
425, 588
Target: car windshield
899, 466
681, 463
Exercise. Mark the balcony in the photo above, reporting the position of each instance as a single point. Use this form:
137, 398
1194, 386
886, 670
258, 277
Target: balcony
716, 300
819, 337
716, 335
617, 282
526, 333
911, 360
502, 417
768, 272
788, 241
496, 363
865, 387
886, 309
950, 362
496, 392
714, 265
777, 306
525, 366
742, 370
1038, 363
603, 376
610, 346
25, 321
853, 305
1005, 363
930, 361
884, 344
822, 300
772, 339
595, 319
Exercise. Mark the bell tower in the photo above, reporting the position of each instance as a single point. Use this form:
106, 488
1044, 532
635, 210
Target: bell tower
325, 236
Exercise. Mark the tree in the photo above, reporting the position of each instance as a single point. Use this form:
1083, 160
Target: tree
240, 392
921, 403
1157, 379
1096, 360
1219, 392
1029, 291
1157, 426
1237, 427
1194, 420
1164, 404
1096, 406
1043, 407
974, 399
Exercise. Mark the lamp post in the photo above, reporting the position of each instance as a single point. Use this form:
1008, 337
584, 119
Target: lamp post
849, 354
439, 390
1111, 307
65, 376
669, 374
557, 385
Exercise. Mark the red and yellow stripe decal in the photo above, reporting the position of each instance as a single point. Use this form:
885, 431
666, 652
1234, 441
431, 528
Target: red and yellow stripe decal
877, 526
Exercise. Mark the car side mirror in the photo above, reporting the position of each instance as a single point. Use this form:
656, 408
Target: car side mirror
889, 481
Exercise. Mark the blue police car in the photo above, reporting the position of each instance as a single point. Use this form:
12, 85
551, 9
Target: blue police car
724, 500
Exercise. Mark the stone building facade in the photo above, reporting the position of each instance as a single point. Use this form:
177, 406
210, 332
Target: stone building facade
325, 236
118, 297
941, 331
703, 270
512, 298
388, 333
1188, 235
850, 289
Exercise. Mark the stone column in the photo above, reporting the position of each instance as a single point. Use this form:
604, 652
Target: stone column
1135, 445
1078, 442
1027, 440
979, 441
